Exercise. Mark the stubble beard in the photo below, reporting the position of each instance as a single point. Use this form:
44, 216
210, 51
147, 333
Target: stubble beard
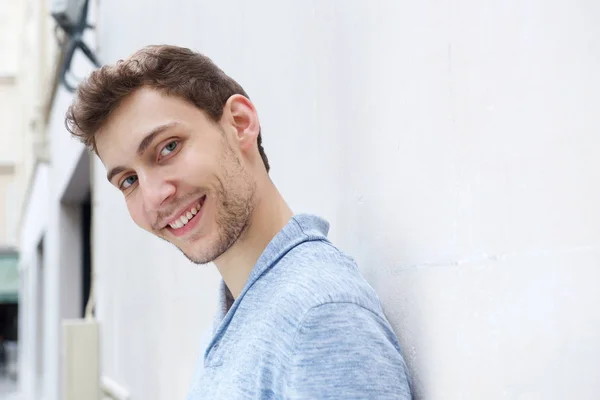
235, 201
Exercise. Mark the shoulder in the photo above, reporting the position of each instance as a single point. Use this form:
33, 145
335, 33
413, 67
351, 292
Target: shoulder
316, 273
345, 321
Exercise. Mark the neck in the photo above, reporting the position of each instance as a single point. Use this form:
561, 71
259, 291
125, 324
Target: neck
270, 215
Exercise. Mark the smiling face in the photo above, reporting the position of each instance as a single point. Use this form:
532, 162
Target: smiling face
185, 178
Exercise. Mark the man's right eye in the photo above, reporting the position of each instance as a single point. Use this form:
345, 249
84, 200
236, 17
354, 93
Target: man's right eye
127, 182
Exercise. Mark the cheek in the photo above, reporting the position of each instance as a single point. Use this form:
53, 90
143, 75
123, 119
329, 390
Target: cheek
195, 171
138, 213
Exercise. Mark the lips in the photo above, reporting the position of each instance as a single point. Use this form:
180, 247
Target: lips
186, 216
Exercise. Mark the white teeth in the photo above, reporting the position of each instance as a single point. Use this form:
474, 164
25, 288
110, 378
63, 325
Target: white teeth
185, 218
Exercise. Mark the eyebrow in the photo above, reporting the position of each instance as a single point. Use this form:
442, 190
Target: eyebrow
143, 146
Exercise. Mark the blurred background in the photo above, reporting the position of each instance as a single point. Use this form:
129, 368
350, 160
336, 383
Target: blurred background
453, 146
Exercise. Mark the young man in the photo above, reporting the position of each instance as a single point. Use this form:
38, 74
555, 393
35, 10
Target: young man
182, 141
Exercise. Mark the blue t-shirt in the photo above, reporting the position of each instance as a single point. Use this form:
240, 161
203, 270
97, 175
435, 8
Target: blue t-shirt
305, 326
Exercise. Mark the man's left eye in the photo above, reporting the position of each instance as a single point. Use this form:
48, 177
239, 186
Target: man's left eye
170, 147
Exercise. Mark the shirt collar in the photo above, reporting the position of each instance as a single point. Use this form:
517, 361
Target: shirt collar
299, 229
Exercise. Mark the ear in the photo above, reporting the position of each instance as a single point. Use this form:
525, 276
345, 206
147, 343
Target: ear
241, 115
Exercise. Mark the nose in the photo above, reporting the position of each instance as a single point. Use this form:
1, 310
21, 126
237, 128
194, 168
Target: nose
156, 191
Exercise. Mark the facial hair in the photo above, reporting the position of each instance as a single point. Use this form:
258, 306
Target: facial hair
235, 194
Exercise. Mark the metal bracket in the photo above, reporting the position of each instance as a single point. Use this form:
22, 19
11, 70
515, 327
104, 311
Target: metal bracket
74, 42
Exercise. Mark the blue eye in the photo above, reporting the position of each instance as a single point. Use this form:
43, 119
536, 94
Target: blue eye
169, 148
127, 182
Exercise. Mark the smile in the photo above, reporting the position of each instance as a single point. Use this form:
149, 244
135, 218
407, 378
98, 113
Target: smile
187, 217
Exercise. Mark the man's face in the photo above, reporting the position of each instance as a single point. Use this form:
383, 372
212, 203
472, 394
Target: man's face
182, 175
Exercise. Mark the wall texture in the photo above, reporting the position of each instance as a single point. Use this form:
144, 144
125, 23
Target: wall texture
453, 147
10, 142
35, 224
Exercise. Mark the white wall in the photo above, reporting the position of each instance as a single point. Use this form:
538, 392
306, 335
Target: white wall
52, 285
35, 221
10, 117
37, 56
453, 149
10, 18
35, 218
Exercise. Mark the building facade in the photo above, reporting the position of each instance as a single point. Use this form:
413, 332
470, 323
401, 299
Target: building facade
452, 147
25, 62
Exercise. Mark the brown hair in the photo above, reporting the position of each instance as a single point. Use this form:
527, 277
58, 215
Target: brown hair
173, 70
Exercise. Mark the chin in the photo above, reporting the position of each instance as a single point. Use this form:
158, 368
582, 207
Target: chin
196, 258
204, 255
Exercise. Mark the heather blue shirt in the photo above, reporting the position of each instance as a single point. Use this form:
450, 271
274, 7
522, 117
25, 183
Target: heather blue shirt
305, 326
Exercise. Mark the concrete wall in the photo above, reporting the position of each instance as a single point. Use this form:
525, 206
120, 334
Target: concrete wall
10, 18
453, 148
31, 263
10, 156
37, 58
6, 184
10, 141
